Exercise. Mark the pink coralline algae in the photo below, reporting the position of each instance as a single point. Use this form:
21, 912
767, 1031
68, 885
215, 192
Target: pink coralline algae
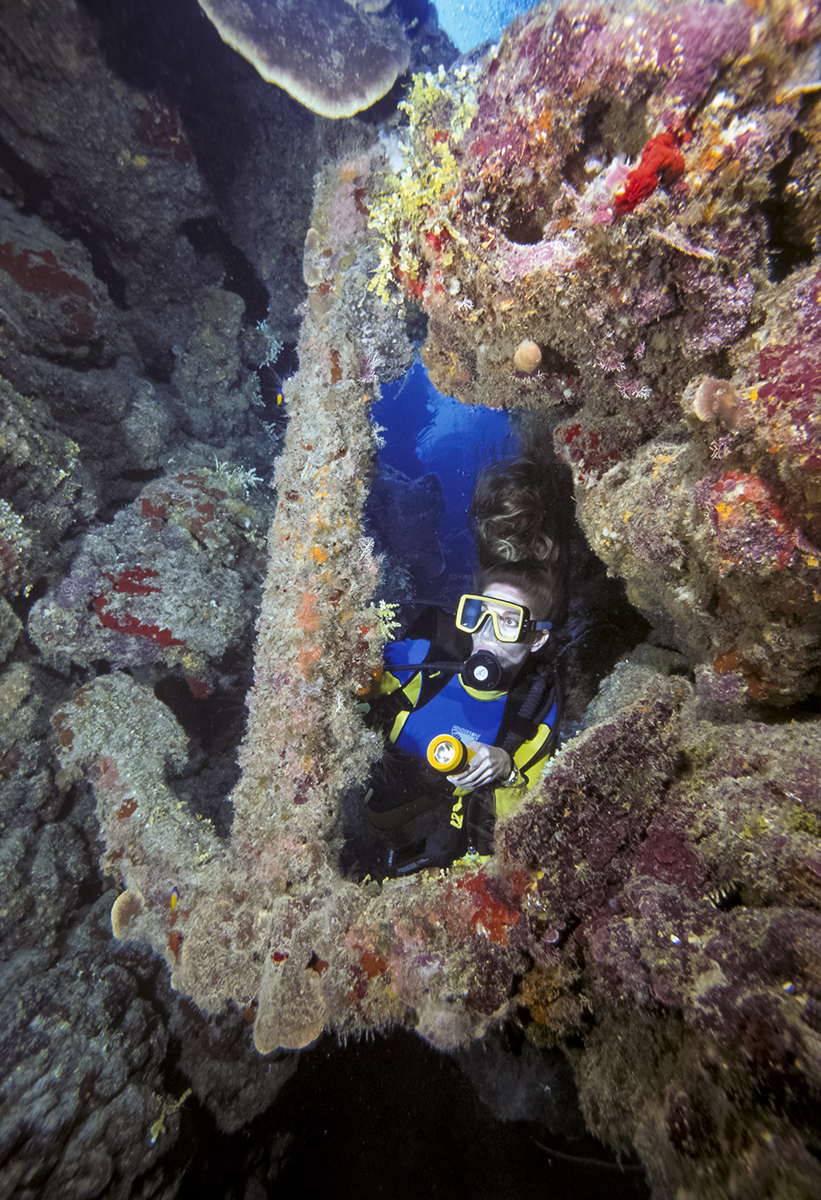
667, 854
164, 584
730, 552
727, 303
751, 529
39, 272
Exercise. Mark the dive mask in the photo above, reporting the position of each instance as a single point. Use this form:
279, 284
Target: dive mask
511, 622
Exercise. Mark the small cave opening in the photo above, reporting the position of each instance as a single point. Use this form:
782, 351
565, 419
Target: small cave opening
214, 718
417, 513
592, 144
523, 223
789, 244
609, 127
207, 236
417, 509
554, 363
159, 363
521, 215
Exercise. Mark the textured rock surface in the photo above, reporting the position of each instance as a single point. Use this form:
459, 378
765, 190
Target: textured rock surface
46, 493
172, 580
611, 187
651, 912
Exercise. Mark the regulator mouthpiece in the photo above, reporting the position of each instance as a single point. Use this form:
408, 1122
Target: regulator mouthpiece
482, 671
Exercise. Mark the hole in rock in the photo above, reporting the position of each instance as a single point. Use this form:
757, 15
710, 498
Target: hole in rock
521, 215
207, 236
592, 144
523, 224
214, 725
787, 238
418, 507
418, 514
610, 127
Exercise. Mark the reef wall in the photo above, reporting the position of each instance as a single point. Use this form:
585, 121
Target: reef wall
589, 218
133, 437
659, 887
615, 216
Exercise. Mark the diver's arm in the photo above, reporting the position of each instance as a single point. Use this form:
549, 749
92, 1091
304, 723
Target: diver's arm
399, 662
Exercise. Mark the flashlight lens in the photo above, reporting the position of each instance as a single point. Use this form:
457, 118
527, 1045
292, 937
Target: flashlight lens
447, 753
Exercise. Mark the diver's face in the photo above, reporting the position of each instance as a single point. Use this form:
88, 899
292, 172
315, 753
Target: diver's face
511, 655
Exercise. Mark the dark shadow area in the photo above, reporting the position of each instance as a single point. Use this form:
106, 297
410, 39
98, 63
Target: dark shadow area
787, 242
393, 1117
208, 237
39, 200
601, 628
215, 725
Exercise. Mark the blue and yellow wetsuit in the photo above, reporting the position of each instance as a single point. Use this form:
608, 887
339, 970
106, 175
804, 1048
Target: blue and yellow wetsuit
422, 704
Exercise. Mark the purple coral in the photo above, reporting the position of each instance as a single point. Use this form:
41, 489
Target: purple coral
746, 514
720, 309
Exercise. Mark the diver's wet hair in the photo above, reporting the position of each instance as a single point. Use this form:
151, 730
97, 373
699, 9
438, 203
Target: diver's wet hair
517, 523
513, 513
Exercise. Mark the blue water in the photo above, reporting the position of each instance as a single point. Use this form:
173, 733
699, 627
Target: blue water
468, 23
426, 432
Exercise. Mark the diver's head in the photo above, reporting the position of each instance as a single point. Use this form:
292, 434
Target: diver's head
515, 597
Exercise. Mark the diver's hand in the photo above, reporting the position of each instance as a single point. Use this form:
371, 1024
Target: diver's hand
489, 764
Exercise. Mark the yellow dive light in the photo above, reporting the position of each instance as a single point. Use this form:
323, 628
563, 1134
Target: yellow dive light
447, 754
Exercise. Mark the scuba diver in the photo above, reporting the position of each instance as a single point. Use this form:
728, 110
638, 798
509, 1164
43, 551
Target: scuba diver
468, 700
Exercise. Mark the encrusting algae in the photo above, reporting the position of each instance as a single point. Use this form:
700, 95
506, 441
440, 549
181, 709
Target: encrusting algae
659, 886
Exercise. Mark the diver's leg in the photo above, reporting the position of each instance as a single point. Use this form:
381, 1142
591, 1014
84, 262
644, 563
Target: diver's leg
466, 827
401, 789
481, 820
443, 846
